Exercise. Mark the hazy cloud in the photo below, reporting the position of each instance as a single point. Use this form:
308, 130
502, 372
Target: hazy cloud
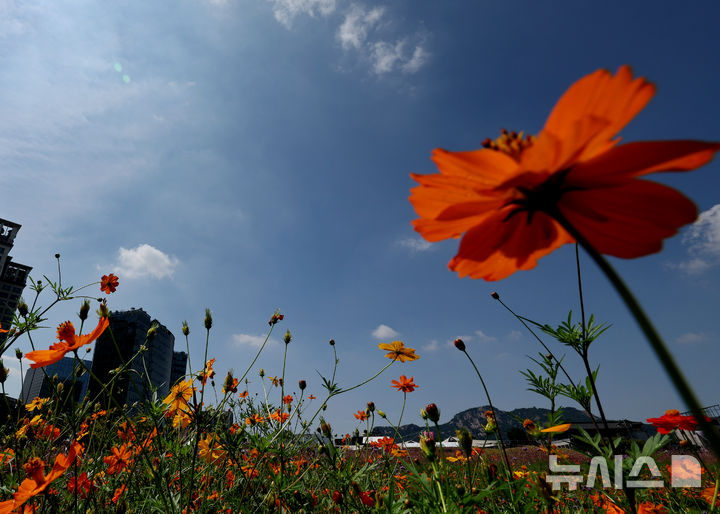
483, 338
356, 24
432, 346
693, 338
415, 244
514, 336
384, 332
144, 261
251, 340
702, 239
387, 57
286, 11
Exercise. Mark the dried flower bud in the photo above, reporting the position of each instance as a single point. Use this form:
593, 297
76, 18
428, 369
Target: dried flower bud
18, 354
84, 309
208, 319
433, 413
460, 344
60, 387
103, 311
325, 428
302, 385
337, 497
23, 308
495, 295
275, 318
288, 337
185, 328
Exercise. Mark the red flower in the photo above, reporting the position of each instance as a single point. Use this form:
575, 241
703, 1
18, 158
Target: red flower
361, 415
69, 341
405, 385
672, 420
108, 283
506, 199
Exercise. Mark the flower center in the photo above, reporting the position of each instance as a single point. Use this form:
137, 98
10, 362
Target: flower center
510, 143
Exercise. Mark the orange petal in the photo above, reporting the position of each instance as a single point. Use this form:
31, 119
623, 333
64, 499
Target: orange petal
635, 159
629, 220
484, 167
103, 323
46, 357
616, 99
498, 247
557, 429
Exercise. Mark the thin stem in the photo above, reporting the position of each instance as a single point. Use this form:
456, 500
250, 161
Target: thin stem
497, 422
656, 342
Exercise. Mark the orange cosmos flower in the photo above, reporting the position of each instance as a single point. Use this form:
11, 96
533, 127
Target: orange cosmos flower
179, 396
361, 415
505, 200
119, 460
672, 419
68, 342
398, 351
208, 373
37, 481
108, 283
405, 385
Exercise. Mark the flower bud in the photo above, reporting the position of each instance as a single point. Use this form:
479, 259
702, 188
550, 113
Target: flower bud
103, 311
427, 445
433, 413
464, 441
302, 385
460, 344
22, 308
4, 372
57, 255
381, 414
337, 497
288, 337
261, 372
84, 309
325, 428
152, 332
208, 319
332, 342
495, 295
18, 354
60, 386
371, 406
185, 328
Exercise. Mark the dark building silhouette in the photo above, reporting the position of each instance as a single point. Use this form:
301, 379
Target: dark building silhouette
13, 276
68, 372
150, 369
179, 364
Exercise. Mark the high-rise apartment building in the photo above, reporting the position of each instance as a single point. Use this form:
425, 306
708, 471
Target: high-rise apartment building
151, 367
12, 275
71, 374
179, 365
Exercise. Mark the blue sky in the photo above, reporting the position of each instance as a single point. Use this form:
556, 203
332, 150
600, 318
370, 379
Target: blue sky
252, 155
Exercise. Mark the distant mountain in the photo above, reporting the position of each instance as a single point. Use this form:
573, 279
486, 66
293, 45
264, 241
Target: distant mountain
474, 420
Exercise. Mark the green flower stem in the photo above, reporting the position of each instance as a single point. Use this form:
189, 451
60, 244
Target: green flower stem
439, 487
656, 342
497, 422
715, 495
402, 411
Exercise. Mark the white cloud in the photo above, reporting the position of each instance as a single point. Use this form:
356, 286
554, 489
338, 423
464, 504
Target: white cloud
703, 241
144, 261
384, 332
251, 340
415, 244
286, 11
357, 22
692, 338
387, 57
417, 61
483, 338
432, 346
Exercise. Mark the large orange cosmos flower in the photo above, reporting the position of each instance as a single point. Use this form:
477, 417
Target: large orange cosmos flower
506, 199
69, 341
37, 481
